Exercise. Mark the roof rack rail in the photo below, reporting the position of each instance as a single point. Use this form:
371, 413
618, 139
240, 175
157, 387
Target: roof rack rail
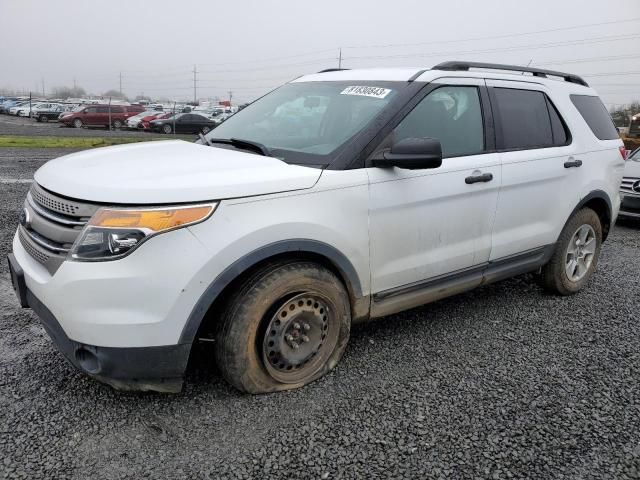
537, 72
333, 70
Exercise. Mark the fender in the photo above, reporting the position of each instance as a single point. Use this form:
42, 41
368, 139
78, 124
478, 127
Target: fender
339, 260
601, 195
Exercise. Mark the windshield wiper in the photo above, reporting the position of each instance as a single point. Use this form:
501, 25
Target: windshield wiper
205, 139
242, 144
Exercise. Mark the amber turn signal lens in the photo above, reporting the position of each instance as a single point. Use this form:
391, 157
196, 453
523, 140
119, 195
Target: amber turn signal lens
155, 220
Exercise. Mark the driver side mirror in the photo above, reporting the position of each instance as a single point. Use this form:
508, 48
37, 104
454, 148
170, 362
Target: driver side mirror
412, 154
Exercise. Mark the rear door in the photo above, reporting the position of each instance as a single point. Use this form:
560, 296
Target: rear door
435, 222
541, 175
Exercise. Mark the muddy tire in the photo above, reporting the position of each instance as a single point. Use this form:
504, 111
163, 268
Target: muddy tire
285, 327
576, 254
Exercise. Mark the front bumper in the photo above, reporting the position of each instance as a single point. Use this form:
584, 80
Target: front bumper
159, 368
120, 322
630, 206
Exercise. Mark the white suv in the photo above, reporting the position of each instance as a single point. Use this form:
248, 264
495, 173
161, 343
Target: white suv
339, 197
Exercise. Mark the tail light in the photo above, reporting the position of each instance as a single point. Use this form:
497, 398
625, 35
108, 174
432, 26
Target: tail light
623, 152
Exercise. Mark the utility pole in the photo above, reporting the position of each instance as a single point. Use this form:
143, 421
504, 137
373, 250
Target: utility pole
340, 58
120, 76
195, 73
74, 83
230, 96
43, 86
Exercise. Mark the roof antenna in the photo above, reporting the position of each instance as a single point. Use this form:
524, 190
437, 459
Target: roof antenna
528, 65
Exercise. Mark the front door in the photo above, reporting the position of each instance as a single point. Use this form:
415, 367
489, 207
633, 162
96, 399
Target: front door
430, 223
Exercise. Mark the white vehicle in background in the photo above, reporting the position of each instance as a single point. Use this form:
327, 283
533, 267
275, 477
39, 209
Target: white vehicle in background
630, 187
36, 108
21, 107
339, 197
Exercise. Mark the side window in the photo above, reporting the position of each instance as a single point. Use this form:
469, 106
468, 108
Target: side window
595, 114
451, 114
524, 119
91, 110
558, 128
103, 109
117, 110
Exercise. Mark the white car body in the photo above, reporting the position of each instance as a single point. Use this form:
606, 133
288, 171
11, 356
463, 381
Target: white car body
384, 228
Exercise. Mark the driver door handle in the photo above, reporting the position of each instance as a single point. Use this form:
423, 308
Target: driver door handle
485, 177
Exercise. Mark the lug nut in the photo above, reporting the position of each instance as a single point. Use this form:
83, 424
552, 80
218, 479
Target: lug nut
306, 327
295, 346
289, 338
305, 339
296, 326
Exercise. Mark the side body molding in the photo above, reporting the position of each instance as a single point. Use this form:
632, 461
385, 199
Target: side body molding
337, 258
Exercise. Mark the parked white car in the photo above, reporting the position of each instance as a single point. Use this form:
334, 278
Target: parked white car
339, 197
630, 187
22, 108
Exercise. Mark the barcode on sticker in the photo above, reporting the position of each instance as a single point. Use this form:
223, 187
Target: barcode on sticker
376, 92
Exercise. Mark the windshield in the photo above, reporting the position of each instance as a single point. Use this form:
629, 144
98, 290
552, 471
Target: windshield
635, 155
302, 122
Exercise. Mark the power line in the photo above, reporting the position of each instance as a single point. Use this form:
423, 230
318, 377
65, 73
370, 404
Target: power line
608, 38
495, 37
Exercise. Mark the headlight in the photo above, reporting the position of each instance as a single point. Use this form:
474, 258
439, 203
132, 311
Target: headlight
115, 232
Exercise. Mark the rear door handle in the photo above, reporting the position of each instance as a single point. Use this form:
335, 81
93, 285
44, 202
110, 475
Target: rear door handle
572, 163
485, 177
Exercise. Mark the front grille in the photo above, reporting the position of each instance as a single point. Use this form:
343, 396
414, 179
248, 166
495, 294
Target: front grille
51, 225
627, 185
35, 253
49, 201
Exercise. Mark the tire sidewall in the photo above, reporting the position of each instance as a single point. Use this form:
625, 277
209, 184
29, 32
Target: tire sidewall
240, 339
583, 217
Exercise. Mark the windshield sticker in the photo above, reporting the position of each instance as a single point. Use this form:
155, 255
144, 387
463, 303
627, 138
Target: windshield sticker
376, 92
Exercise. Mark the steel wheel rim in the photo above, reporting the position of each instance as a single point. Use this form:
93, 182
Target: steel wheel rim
299, 338
580, 253
167, 129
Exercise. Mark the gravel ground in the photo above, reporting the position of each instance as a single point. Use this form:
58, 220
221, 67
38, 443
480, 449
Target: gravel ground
502, 382
11, 125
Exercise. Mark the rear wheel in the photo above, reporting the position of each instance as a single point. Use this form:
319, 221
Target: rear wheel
576, 254
77, 123
117, 124
287, 326
167, 128
205, 130
43, 118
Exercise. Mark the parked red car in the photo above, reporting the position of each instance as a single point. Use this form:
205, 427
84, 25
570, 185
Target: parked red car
99, 115
145, 123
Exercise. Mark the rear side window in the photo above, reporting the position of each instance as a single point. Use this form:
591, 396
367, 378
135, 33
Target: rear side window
524, 119
117, 110
102, 110
595, 114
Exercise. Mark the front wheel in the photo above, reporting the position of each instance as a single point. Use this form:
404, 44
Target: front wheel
166, 128
576, 254
77, 123
43, 118
205, 130
286, 326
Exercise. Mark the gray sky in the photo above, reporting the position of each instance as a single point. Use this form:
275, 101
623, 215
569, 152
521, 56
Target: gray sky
250, 47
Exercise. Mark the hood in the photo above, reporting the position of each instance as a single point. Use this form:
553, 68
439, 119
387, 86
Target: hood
173, 171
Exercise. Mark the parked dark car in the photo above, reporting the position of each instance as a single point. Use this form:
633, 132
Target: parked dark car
184, 123
47, 114
99, 115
